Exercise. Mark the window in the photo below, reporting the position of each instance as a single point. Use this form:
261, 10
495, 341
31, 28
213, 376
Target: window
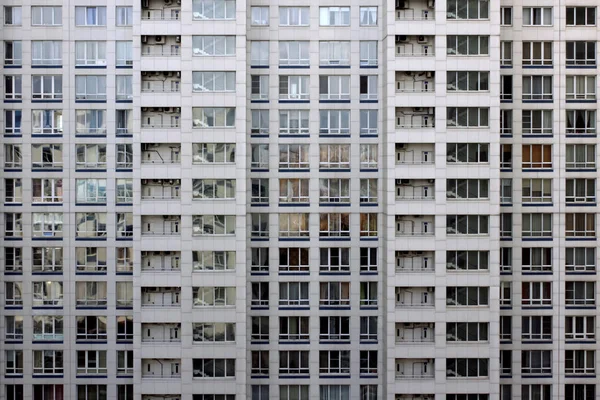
259, 53
259, 122
13, 88
124, 54
506, 53
124, 328
577, 392
124, 123
580, 190
213, 9
13, 225
506, 294
537, 122
293, 87
293, 122
506, 122
537, 53
293, 259
334, 156
581, 87
91, 294
581, 16
505, 259
536, 362
368, 87
220, 296
368, 225
537, 156
368, 365
213, 45
259, 225
90, 259
580, 294
12, 15
581, 122
90, 16
467, 188
536, 293
124, 191
124, 87
293, 362
336, 16
213, 224
459, 9
259, 363
90, 156
214, 81
467, 153
334, 53
13, 190
90, 225
259, 87
46, 52
90, 53
124, 257
90, 122
13, 259
91, 362
506, 87
124, 392
293, 156
368, 294
334, 362
13, 157
213, 332
506, 16
259, 16
505, 327
91, 328
368, 53
293, 294
293, 392
90, 87
470, 81
581, 53
260, 191
463, 260
46, 16
333, 190
537, 225
467, 224
580, 328
13, 328
467, 45
368, 16
368, 259
259, 156
90, 191
580, 362
580, 225
537, 16
13, 361
334, 225
293, 190
260, 328
537, 87
13, 52
124, 16
13, 294
462, 296
46, 122
124, 363
293, 225
334, 328
467, 367
214, 367
334, 87
536, 327
537, 259
467, 117
368, 190
48, 293
47, 224
536, 190
334, 392
259, 392
213, 153
47, 259
205, 117
292, 53
334, 259
580, 259
213, 189
124, 225
334, 122
12, 122
91, 392
213, 260
294, 16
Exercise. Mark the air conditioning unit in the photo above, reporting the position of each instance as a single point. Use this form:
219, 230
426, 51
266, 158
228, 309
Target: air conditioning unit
418, 109
177, 109
401, 4
431, 180
144, 109
430, 289
167, 109
400, 145
421, 39
178, 2
429, 74
431, 4
178, 39
144, 73
401, 38
159, 39
156, 73
404, 181
156, 253
144, 181
168, 2
166, 216
144, 39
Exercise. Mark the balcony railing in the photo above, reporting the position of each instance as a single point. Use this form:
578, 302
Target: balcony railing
161, 15
400, 375
413, 264
159, 50
415, 15
411, 50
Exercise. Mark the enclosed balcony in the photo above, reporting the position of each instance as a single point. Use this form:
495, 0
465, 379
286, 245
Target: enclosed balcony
161, 153
161, 117
411, 333
415, 225
415, 117
155, 368
161, 297
168, 397
430, 396
415, 368
161, 10
422, 297
415, 153
161, 189
415, 10
161, 333
161, 225
157, 261
415, 46
415, 189
161, 46
415, 261
161, 82
415, 82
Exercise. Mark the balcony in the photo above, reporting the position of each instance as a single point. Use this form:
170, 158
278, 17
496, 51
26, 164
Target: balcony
415, 261
415, 10
415, 153
415, 82
161, 261
415, 46
161, 297
161, 189
161, 225
161, 368
161, 117
161, 82
161, 153
415, 117
161, 46
415, 189
415, 368
161, 10
161, 333
415, 225
415, 333
422, 297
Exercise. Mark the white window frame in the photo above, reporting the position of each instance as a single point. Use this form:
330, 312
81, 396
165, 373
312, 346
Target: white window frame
580, 225
213, 225
213, 46
468, 45
13, 52
293, 225
90, 16
467, 117
259, 87
580, 259
536, 190
334, 156
334, 16
580, 293
213, 117
367, 16
294, 156
334, 259
213, 10
369, 156
328, 85
46, 122
124, 53
536, 327
572, 52
466, 221
459, 10
259, 156
50, 190
259, 122
13, 327
334, 53
581, 87
537, 16
293, 259
293, 53
468, 81
47, 293
467, 332
294, 16
462, 296
13, 293
13, 190
537, 225
293, 294
124, 191
93, 52
208, 332
368, 294
462, 189
294, 122
294, 87
260, 191
40, 362
220, 296
259, 15
213, 153
13, 225
13, 259
586, 322
334, 362
124, 16
90, 87
506, 16
467, 260
214, 81
589, 15
368, 53
293, 190
368, 190
46, 52
334, 224
369, 122
90, 156
455, 151
536, 259
90, 122
537, 122
91, 294
536, 290
91, 259
13, 15
575, 194
574, 119
334, 122
334, 190
529, 150
259, 53
214, 189
40, 17
13, 87
371, 84
580, 362
94, 362
506, 56
47, 224
13, 120
538, 53
538, 87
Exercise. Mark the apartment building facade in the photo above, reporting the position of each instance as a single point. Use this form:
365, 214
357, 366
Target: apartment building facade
227, 199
